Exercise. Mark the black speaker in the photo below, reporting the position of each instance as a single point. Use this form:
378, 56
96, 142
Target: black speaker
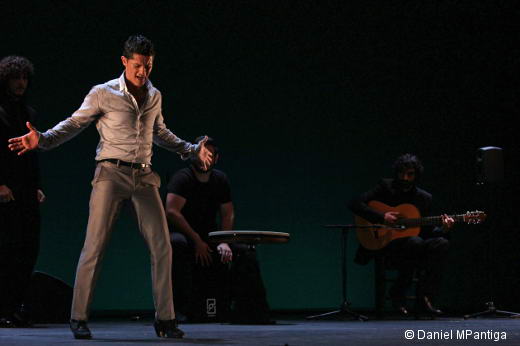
490, 165
49, 299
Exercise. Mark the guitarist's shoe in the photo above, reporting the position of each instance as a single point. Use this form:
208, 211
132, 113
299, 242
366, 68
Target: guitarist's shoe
400, 307
398, 300
402, 310
424, 305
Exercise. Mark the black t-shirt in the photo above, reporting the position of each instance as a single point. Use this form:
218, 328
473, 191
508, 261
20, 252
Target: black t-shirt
203, 200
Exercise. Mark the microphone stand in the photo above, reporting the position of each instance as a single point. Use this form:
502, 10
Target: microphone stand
491, 191
344, 309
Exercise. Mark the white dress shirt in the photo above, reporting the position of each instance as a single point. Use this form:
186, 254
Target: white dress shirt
126, 130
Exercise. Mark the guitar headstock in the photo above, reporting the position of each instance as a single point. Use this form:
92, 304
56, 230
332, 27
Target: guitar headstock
474, 217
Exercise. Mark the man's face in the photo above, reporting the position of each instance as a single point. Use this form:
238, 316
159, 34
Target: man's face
406, 178
17, 85
214, 159
137, 69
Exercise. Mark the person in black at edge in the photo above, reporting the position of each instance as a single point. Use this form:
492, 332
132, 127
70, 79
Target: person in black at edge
196, 197
20, 195
425, 252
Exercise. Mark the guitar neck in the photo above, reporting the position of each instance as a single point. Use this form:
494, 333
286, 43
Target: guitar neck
428, 221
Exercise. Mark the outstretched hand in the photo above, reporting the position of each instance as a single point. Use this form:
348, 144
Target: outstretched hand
26, 142
204, 155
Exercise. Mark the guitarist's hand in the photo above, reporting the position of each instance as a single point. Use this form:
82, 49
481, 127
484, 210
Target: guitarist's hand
447, 222
391, 217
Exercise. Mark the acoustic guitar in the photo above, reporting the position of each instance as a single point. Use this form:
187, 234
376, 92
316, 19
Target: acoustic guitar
377, 236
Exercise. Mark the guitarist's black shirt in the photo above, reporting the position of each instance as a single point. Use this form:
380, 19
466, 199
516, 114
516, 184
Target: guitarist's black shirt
388, 192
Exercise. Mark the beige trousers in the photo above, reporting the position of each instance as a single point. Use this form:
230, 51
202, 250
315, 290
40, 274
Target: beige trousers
112, 185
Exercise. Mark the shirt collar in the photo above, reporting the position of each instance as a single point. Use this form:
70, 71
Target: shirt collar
123, 87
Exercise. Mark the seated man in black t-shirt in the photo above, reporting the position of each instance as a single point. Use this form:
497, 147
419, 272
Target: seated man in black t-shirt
196, 198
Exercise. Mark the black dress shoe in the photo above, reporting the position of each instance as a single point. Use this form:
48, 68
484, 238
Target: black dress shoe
400, 308
425, 306
399, 305
403, 311
167, 329
80, 329
7, 323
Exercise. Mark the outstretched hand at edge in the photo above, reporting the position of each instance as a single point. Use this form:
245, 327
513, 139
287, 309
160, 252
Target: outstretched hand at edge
26, 142
203, 154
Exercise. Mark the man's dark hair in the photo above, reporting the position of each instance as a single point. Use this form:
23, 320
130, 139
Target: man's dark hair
210, 141
138, 44
14, 66
407, 161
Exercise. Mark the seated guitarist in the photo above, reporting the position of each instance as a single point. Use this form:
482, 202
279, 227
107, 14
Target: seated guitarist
425, 252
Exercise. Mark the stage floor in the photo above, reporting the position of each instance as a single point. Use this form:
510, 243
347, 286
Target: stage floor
293, 331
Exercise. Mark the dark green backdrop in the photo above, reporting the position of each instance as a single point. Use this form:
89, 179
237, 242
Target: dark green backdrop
310, 102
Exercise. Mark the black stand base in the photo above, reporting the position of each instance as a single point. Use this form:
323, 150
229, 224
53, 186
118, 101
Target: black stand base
492, 310
342, 313
343, 310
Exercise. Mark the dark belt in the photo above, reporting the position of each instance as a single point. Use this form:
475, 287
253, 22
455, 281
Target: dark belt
128, 164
